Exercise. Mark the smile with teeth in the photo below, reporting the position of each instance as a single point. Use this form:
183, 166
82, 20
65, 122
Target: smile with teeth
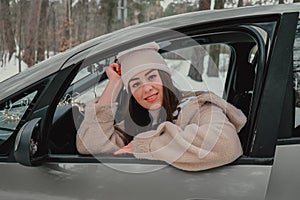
151, 97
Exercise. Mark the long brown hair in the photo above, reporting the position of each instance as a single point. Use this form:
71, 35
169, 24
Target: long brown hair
138, 118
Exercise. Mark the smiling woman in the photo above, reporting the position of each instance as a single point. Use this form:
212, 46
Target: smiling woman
189, 130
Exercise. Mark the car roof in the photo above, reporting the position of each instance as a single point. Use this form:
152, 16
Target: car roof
125, 35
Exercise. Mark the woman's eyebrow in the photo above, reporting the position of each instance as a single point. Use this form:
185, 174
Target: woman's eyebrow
133, 79
150, 71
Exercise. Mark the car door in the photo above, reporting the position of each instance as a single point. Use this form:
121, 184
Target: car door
284, 177
237, 53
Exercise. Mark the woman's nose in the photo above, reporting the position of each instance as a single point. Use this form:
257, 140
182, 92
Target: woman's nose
147, 87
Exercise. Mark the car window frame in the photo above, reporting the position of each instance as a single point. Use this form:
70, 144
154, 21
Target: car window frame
242, 160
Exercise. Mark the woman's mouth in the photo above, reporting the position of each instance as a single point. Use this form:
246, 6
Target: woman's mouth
151, 98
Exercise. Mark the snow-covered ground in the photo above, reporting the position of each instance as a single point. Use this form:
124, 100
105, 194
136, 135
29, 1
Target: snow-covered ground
11, 68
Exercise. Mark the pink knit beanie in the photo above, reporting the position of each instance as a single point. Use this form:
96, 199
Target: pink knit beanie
138, 59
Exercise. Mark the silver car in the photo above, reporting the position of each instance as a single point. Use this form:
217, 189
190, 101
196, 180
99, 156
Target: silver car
249, 56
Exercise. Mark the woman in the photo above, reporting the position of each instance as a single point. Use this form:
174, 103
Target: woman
191, 131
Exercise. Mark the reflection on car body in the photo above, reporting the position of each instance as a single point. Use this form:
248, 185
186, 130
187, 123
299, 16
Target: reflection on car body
254, 66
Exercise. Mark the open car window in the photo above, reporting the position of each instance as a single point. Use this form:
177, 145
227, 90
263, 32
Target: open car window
224, 62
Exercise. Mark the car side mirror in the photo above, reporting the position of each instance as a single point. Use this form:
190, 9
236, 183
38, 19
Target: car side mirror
26, 144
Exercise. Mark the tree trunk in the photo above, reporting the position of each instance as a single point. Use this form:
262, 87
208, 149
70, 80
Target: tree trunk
85, 21
52, 44
204, 4
213, 61
29, 53
240, 3
7, 26
20, 35
80, 16
214, 51
42, 34
92, 29
1, 45
67, 30
219, 4
108, 11
197, 62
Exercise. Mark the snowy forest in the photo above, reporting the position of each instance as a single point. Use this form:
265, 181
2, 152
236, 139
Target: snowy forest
33, 30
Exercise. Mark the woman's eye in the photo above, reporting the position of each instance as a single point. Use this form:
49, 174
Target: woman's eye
135, 85
152, 77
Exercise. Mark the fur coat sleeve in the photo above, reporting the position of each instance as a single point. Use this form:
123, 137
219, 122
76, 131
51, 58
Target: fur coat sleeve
204, 136
96, 133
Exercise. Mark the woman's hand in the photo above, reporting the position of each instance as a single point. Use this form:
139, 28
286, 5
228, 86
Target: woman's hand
125, 150
113, 87
113, 71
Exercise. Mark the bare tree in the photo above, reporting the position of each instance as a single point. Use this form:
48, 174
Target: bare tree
240, 3
94, 27
52, 29
108, 13
42, 33
29, 53
2, 49
9, 39
60, 24
154, 10
66, 37
197, 59
80, 16
214, 51
20, 37
197, 63
204, 4
219, 4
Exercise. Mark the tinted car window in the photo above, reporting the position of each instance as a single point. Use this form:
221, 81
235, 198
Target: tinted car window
296, 76
11, 112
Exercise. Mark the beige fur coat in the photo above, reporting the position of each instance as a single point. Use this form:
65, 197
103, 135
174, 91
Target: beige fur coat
204, 135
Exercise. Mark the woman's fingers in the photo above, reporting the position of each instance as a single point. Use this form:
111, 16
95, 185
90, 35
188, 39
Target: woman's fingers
113, 70
117, 68
125, 150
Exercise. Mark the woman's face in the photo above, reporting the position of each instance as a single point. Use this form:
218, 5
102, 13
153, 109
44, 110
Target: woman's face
147, 89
